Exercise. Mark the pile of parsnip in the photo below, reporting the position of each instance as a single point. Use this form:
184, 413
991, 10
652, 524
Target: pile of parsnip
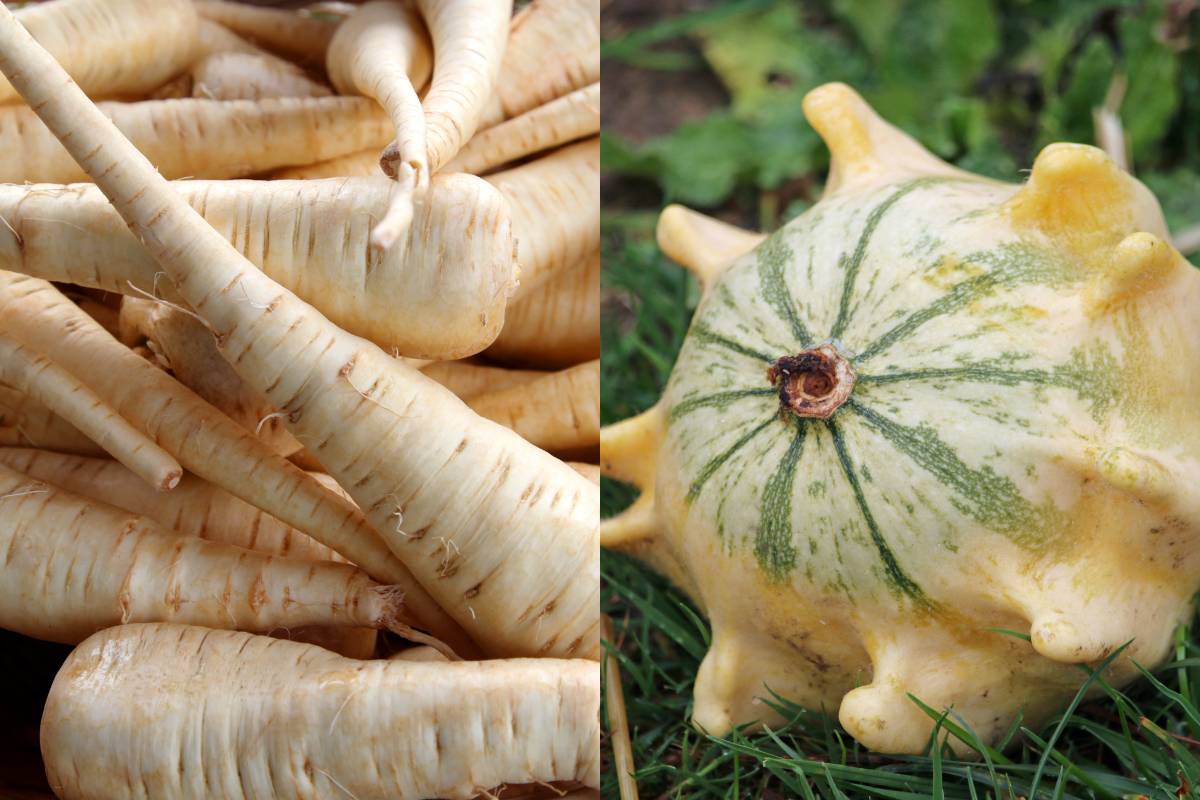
299, 340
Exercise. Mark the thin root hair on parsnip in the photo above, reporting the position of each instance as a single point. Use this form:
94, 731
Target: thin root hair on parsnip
75, 566
295, 34
32, 373
555, 205
113, 48
558, 412
199, 138
558, 324
382, 51
502, 534
171, 711
467, 380
246, 76
469, 37
202, 439
562, 120
439, 294
553, 49
198, 508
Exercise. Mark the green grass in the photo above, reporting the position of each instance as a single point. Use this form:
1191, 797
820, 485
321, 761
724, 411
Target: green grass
1141, 741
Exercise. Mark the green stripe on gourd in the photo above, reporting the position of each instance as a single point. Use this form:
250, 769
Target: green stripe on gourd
721, 337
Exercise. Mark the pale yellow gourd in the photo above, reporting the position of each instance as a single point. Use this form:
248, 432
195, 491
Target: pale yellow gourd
932, 406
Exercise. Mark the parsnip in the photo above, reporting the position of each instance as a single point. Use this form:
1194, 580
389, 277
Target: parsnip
382, 51
197, 138
298, 35
469, 380
502, 534
191, 353
589, 471
469, 38
564, 119
74, 566
555, 204
559, 412
24, 422
31, 373
245, 76
113, 47
197, 508
440, 295
363, 164
193, 508
202, 439
175, 712
553, 49
558, 324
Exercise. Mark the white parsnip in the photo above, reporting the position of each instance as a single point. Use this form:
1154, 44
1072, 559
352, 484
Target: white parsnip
176, 712
468, 380
197, 508
190, 352
560, 411
24, 422
555, 204
440, 295
553, 49
558, 324
295, 34
74, 566
113, 48
502, 534
193, 508
199, 138
202, 439
31, 373
562, 120
382, 51
247, 76
589, 471
363, 164
469, 39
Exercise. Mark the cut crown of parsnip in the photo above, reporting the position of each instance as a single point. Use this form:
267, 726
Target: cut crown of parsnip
499, 532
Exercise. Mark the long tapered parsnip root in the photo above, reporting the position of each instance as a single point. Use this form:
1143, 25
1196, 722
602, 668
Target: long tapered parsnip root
202, 439
246, 76
113, 48
503, 535
382, 51
555, 204
558, 412
440, 295
468, 44
178, 712
562, 120
468, 380
24, 422
295, 34
31, 373
558, 324
75, 566
553, 49
363, 164
198, 138
196, 507
191, 353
